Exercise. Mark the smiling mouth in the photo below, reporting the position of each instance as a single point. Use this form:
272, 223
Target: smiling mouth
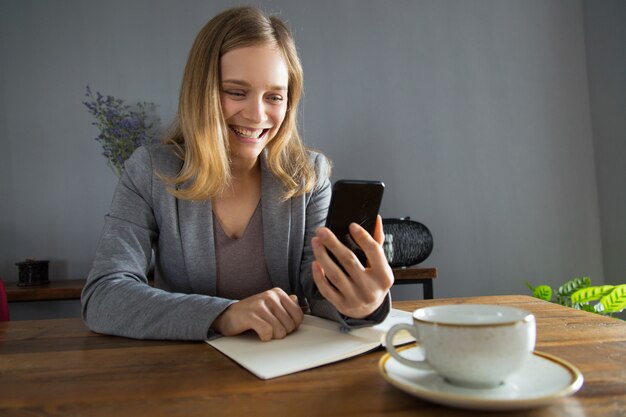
248, 133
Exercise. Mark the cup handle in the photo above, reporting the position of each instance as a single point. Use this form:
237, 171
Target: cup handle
392, 349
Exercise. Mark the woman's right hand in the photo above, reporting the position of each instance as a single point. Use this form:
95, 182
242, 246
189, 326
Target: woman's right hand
271, 315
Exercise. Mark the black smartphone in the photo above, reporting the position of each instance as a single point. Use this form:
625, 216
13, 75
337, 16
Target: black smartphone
354, 201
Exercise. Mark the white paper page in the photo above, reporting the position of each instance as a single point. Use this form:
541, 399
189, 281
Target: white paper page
379, 331
316, 342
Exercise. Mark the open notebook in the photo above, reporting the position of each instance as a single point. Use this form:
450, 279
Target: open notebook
317, 342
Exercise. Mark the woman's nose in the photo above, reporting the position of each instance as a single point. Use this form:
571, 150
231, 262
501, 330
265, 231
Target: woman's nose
255, 110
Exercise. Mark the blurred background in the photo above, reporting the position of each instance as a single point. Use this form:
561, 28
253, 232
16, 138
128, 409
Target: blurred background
500, 125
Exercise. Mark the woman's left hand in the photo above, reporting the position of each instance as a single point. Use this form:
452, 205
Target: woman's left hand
360, 290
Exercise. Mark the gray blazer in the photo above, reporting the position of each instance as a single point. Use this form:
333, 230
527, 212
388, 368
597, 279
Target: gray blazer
144, 217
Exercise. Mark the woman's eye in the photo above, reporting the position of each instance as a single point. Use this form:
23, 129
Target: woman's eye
275, 98
236, 94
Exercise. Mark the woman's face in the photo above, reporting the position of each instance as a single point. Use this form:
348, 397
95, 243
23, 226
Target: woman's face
254, 98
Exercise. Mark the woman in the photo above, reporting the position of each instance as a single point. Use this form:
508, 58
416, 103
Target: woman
231, 206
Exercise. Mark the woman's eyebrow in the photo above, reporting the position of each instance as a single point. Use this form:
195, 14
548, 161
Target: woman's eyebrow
247, 84
237, 82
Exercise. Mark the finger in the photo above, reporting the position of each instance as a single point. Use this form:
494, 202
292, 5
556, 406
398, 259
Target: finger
328, 291
262, 328
379, 234
274, 312
333, 275
303, 306
285, 310
279, 331
257, 315
329, 265
348, 306
373, 250
344, 256
295, 311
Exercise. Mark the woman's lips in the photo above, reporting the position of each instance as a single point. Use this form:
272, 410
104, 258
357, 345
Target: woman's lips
247, 133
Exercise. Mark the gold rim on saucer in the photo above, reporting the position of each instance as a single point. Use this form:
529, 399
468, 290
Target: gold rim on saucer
458, 400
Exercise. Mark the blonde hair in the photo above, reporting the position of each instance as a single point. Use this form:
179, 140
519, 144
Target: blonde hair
199, 131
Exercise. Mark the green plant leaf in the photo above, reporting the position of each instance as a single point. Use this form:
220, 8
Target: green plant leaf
615, 301
584, 295
573, 285
588, 307
543, 292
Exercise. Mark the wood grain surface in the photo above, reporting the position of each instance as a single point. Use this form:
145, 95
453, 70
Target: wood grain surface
59, 368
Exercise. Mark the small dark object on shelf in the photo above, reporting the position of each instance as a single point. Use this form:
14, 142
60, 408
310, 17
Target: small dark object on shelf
33, 273
407, 242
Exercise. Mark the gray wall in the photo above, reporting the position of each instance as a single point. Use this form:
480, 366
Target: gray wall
605, 27
476, 114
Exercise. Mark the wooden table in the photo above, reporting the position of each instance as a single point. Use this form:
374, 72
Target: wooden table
70, 289
59, 368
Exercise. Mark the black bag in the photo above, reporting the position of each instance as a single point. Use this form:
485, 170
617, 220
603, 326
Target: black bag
407, 242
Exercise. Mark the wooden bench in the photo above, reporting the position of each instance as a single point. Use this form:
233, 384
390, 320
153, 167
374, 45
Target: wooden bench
71, 289
417, 275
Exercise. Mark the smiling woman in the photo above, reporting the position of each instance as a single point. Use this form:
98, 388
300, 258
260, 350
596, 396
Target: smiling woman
232, 205
226, 44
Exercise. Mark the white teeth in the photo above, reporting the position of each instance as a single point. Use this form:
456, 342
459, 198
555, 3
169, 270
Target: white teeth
247, 133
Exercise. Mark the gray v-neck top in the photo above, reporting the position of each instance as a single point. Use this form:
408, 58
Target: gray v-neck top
241, 269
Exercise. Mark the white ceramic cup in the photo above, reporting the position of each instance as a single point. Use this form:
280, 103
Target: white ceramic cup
470, 345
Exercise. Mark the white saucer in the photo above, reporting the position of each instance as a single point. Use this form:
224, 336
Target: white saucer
544, 379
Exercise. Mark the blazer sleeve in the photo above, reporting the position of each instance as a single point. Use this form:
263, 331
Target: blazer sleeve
316, 211
117, 299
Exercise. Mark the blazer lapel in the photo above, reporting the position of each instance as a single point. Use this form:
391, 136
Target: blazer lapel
276, 226
195, 222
